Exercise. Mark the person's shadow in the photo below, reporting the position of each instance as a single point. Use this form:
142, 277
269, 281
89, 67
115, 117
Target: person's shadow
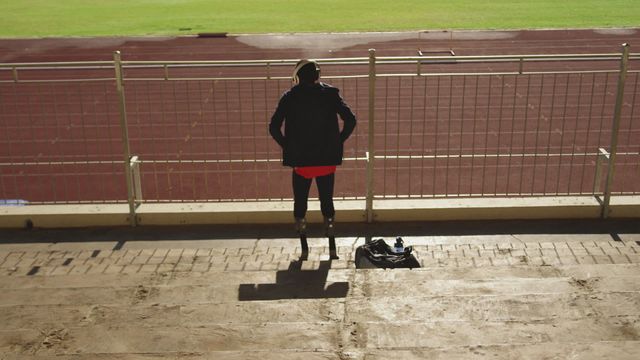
295, 283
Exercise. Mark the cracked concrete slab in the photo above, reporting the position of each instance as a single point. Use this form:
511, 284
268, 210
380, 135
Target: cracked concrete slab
253, 299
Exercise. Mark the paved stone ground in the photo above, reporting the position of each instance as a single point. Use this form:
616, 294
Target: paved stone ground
195, 294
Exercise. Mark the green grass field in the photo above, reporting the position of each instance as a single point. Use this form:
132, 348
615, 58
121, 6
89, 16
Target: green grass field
38, 18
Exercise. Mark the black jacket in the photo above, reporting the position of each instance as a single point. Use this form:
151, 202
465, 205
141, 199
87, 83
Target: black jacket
312, 136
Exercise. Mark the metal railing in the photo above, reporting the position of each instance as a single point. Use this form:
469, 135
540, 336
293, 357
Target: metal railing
429, 126
511, 132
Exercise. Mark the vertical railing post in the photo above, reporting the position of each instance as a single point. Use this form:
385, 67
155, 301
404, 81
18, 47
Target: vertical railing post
624, 61
117, 60
602, 157
371, 133
137, 182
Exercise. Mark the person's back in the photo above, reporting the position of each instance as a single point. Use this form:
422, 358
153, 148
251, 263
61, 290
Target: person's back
311, 126
312, 142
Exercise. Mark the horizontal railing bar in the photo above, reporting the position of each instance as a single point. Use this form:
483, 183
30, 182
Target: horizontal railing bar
38, 163
585, 57
161, 63
474, 61
382, 59
55, 81
61, 202
481, 195
160, 66
228, 65
178, 201
499, 73
570, 72
154, 201
363, 158
378, 75
40, 68
444, 74
613, 58
99, 162
55, 64
360, 61
224, 161
510, 194
170, 201
239, 62
286, 77
438, 196
425, 61
206, 78
324, 77
456, 156
238, 78
342, 76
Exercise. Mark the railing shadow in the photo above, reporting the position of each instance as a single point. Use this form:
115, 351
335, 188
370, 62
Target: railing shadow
295, 283
362, 230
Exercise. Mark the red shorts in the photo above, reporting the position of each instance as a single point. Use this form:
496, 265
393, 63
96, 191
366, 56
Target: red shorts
309, 172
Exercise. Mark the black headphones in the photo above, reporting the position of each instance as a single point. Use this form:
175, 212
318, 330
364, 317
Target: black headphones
299, 66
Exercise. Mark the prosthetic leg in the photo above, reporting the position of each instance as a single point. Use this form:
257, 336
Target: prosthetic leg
301, 228
329, 227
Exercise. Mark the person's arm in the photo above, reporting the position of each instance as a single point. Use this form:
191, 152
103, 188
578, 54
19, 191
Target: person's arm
276, 122
347, 117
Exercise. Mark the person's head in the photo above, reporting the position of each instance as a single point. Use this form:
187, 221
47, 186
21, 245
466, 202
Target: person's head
306, 72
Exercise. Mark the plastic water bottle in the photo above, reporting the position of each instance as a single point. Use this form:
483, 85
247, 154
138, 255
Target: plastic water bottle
398, 247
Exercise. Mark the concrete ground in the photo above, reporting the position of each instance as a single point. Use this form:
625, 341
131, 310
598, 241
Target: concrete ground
499, 290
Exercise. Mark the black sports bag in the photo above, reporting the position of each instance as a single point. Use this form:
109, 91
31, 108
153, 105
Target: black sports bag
377, 254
